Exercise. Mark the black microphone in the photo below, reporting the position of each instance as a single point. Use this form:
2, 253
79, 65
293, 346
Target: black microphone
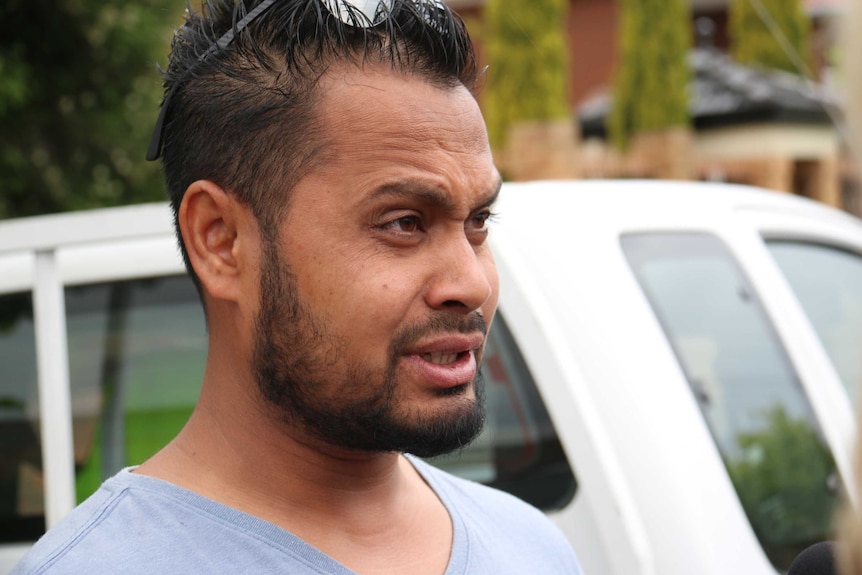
818, 559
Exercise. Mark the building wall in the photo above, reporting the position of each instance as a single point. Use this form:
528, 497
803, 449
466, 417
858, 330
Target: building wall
591, 28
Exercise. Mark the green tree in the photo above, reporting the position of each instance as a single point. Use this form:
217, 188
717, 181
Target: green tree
651, 86
770, 33
79, 93
783, 481
527, 64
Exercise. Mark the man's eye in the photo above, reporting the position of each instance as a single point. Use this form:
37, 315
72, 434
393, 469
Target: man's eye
407, 224
482, 220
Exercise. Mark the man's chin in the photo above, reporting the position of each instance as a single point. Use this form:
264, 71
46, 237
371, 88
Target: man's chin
439, 434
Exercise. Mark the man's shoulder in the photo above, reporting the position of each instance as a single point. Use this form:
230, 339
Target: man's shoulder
80, 528
141, 525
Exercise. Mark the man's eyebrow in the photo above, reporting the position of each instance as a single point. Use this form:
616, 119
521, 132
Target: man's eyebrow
495, 193
432, 194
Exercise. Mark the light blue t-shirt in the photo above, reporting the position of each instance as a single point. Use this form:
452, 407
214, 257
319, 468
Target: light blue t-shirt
136, 524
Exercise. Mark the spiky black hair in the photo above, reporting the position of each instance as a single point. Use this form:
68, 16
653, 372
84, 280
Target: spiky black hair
242, 80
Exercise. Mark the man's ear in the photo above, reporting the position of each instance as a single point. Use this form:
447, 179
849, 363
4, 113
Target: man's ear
214, 226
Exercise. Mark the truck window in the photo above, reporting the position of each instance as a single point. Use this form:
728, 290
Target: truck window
828, 283
22, 511
746, 387
136, 353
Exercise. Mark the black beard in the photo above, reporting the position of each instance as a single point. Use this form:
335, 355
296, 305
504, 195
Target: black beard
292, 348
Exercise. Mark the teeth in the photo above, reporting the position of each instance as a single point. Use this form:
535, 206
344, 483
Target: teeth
440, 358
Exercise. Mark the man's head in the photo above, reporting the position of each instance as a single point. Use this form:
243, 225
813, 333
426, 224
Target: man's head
386, 281
243, 105
341, 237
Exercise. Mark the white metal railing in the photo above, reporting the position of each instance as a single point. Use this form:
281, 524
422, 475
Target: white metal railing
55, 405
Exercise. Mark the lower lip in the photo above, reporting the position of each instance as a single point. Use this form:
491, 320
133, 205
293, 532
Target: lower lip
459, 372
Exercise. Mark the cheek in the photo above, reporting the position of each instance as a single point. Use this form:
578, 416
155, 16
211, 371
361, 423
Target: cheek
382, 301
366, 303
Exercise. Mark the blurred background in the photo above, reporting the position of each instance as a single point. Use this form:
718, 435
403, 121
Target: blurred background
743, 91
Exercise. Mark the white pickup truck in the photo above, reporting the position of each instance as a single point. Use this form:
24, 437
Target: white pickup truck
670, 378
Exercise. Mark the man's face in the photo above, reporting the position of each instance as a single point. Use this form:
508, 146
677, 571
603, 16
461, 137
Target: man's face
379, 289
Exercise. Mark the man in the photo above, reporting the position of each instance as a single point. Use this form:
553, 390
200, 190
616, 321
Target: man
333, 184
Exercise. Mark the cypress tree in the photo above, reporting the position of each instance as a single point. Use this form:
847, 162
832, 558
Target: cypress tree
770, 33
527, 64
651, 86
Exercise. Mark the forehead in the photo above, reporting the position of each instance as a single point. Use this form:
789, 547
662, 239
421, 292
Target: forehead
380, 125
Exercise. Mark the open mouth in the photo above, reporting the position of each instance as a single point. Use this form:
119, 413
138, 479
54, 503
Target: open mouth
443, 358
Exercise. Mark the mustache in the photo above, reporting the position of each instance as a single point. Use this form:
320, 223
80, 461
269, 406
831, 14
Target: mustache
440, 323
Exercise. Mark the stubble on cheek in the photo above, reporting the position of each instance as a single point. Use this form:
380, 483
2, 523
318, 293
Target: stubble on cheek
314, 382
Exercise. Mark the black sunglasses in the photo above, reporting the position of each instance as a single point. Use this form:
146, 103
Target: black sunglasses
154, 150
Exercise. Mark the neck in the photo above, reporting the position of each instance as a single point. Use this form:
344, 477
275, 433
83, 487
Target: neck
234, 450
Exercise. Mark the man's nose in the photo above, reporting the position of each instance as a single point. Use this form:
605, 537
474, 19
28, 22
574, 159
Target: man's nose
463, 277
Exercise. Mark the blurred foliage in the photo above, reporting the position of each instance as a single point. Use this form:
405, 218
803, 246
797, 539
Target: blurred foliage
651, 86
752, 28
783, 481
527, 56
79, 93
